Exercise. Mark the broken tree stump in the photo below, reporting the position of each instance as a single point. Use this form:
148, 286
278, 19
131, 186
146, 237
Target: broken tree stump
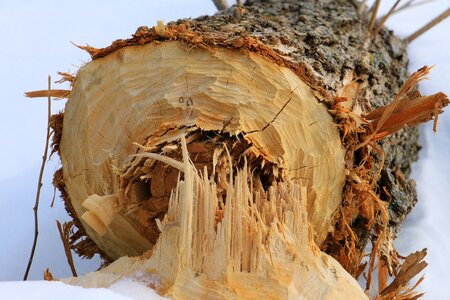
243, 154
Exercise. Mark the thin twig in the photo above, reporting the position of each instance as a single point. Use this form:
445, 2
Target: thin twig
428, 26
41, 174
411, 4
221, 4
62, 234
54, 196
385, 17
374, 15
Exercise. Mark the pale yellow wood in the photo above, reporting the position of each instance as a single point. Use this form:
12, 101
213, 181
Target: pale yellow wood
105, 209
149, 94
260, 248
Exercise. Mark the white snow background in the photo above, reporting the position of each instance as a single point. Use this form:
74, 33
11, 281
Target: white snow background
35, 42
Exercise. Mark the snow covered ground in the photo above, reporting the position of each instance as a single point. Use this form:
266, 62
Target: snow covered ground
35, 42
45, 290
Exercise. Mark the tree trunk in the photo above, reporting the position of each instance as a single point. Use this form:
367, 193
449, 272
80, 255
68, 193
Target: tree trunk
239, 153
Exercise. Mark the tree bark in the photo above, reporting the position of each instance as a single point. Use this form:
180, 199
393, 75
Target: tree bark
279, 101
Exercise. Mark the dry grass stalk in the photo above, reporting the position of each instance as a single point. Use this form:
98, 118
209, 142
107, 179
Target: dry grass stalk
64, 233
429, 25
41, 174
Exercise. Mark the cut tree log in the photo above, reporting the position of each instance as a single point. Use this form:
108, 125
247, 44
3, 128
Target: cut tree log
235, 155
246, 101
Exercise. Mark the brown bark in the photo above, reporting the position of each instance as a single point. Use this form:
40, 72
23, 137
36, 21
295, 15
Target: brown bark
280, 88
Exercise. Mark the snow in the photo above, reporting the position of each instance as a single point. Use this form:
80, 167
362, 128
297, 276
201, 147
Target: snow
36, 39
44, 290
134, 289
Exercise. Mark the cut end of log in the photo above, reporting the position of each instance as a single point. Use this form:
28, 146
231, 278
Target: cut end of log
147, 95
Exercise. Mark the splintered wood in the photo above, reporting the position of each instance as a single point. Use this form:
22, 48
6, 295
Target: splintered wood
48, 93
408, 107
360, 132
138, 100
250, 244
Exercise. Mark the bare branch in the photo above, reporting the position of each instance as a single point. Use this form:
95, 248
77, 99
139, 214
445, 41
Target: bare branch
428, 26
41, 174
221, 4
